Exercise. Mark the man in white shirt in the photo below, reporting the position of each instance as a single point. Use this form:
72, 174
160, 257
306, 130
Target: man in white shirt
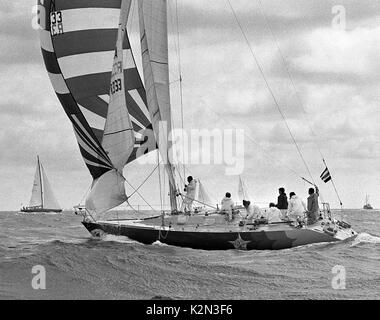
296, 207
253, 211
227, 205
188, 199
274, 214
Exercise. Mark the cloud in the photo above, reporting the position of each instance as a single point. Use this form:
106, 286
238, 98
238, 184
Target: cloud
335, 75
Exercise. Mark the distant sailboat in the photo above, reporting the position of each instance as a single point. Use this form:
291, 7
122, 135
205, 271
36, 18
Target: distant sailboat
43, 199
367, 205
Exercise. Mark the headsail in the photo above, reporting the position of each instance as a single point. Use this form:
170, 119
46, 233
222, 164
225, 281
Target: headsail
118, 137
154, 48
37, 200
108, 191
78, 44
50, 201
203, 196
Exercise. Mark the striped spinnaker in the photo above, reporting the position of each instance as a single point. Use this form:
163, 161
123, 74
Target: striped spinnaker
78, 39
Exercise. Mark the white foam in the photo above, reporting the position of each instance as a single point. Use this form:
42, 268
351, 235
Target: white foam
365, 238
114, 238
159, 243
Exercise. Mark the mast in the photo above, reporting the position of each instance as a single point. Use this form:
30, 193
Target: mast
39, 173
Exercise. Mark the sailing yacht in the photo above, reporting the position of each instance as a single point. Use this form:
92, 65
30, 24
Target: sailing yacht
43, 199
92, 68
367, 205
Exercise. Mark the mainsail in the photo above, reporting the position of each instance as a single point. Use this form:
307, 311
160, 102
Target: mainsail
37, 194
154, 48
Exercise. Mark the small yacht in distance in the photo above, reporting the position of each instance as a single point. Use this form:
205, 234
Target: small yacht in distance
367, 205
43, 199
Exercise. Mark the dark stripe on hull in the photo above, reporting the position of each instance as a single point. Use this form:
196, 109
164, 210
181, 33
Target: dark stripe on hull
247, 240
40, 210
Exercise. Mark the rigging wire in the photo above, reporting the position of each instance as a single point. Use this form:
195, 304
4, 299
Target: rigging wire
286, 65
270, 89
147, 178
265, 152
159, 181
146, 202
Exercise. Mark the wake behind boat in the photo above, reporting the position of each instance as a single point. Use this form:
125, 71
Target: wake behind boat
42, 199
136, 119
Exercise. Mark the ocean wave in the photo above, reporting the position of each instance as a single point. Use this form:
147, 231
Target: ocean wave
117, 239
365, 238
159, 243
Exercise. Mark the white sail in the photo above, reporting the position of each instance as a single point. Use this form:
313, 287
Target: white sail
154, 48
243, 191
118, 138
107, 193
36, 199
203, 196
50, 202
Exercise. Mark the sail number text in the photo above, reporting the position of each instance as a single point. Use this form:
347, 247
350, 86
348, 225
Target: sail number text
116, 86
56, 23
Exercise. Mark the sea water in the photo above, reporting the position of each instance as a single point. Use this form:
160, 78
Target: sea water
78, 266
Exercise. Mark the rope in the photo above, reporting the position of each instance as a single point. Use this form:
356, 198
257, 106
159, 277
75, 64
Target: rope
139, 187
140, 195
289, 74
332, 181
297, 95
269, 88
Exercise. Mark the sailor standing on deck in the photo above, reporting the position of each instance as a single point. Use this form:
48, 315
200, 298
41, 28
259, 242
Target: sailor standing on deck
296, 207
227, 205
190, 189
312, 206
282, 203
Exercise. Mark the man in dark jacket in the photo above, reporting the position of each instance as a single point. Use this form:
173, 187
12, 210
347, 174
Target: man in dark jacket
312, 206
282, 203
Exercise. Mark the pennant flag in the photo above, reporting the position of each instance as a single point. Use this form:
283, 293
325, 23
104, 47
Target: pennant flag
325, 176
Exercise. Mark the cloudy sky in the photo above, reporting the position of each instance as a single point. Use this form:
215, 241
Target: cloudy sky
334, 66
